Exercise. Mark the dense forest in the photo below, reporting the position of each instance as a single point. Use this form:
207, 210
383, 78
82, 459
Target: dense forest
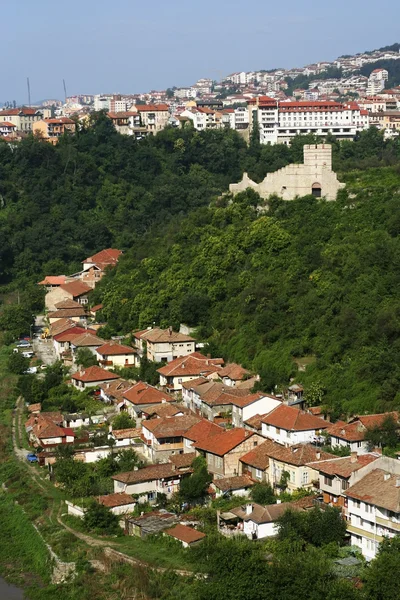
271, 286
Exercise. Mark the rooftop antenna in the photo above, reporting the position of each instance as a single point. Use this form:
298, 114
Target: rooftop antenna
65, 91
29, 91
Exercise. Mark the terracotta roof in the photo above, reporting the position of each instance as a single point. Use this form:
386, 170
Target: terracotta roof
68, 304
150, 473
96, 308
76, 288
114, 349
64, 313
259, 456
377, 420
45, 427
61, 325
182, 460
70, 334
315, 410
247, 384
193, 364
228, 484
160, 336
351, 432
243, 401
234, 372
34, 407
121, 434
185, 534
114, 500
224, 442
298, 454
59, 121
170, 426
6, 124
16, 111
93, 374
166, 409
202, 430
104, 258
151, 107
379, 488
53, 280
87, 339
193, 383
255, 422
265, 514
115, 388
142, 393
293, 419
343, 466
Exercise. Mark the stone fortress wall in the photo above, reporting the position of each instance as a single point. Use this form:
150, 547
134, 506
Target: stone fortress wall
314, 177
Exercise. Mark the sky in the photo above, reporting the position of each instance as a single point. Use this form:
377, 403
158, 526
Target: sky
131, 46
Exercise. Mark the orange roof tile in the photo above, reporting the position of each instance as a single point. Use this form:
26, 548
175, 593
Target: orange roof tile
115, 349
76, 288
293, 419
223, 442
143, 393
93, 374
108, 257
193, 364
185, 534
343, 466
114, 500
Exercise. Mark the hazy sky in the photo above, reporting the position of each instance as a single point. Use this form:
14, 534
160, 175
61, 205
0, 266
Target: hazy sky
133, 46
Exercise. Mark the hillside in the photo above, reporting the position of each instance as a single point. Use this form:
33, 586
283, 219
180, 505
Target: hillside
307, 280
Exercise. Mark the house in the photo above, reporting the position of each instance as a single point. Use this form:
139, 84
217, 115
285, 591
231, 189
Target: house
149, 481
166, 409
76, 420
150, 523
34, 409
119, 504
141, 396
34, 418
336, 475
256, 521
188, 536
232, 374
52, 281
254, 423
91, 377
255, 463
153, 116
352, 434
62, 341
126, 437
111, 392
289, 425
184, 369
163, 437
23, 118
46, 434
95, 266
200, 431
114, 354
60, 326
50, 130
76, 314
223, 450
239, 485
95, 309
85, 340
72, 290
163, 345
245, 407
373, 505
7, 129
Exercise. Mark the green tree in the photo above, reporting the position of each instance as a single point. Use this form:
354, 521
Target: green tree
379, 580
16, 319
17, 363
193, 489
85, 358
123, 421
384, 435
263, 493
99, 518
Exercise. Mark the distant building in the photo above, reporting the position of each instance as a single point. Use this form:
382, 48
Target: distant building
23, 118
51, 130
376, 81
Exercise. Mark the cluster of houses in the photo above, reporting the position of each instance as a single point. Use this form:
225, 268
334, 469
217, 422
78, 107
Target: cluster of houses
205, 407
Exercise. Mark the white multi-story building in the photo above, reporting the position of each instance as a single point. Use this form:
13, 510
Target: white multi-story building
280, 122
376, 81
373, 505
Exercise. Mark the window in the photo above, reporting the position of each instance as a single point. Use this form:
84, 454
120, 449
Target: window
255, 444
345, 484
293, 476
305, 477
258, 474
328, 481
368, 508
359, 444
278, 431
356, 503
218, 462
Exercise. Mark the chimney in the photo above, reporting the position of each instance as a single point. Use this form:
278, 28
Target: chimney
279, 501
208, 355
135, 468
353, 457
249, 509
318, 455
386, 476
170, 330
397, 482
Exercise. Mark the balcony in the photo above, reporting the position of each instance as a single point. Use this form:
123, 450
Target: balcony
389, 523
364, 533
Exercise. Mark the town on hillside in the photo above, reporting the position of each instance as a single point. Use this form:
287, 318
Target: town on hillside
179, 428
340, 98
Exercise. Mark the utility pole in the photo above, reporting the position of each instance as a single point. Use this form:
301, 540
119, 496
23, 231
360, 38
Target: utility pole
29, 91
65, 91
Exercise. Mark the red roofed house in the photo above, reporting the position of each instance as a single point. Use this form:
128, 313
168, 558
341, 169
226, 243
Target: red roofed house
46, 433
153, 116
164, 437
23, 118
91, 377
351, 435
119, 504
224, 450
94, 266
186, 368
51, 281
140, 396
336, 475
114, 354
7, 128
51, 130
289, 425
163, 344
148, 481
72, 290
62, 341
185, 534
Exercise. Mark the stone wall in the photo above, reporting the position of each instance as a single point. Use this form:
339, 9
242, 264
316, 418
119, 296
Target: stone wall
298, 180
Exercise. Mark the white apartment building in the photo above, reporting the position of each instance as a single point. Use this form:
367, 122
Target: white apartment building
376, 81
102, 102
279, 122
373, 505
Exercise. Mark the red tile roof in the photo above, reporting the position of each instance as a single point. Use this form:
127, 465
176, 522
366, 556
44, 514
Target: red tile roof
224, 442
123, 434
182, 460
143, 393
259, 456
298, 454
71, 333
378, 487
150, 473
87, 339
238, 482
351, 432
115, 349
170, 426
343, 466
114, 500
76, 288
6, 124
151, 107
157, 335
64, 313
194, 364
293, 419
53, 280
202, 430
68, 304
185, 534
96, 308
234, 372
107, 257
61, 325
93, 374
